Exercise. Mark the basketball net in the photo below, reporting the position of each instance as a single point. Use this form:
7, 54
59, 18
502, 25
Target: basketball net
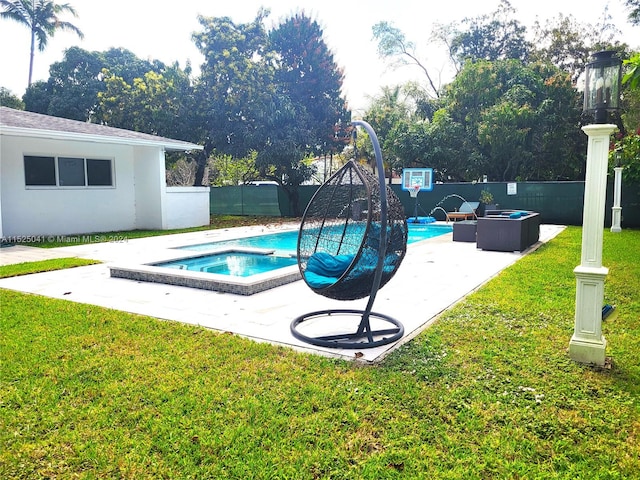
414, 191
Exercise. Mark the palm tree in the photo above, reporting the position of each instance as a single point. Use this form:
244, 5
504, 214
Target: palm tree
41, 16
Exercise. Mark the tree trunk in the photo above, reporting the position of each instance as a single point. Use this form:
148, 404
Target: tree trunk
293, 195
201, 163
33, 45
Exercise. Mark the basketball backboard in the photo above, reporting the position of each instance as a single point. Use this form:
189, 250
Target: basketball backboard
417, 176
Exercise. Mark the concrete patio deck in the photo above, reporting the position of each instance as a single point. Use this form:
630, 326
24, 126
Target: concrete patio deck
435, 274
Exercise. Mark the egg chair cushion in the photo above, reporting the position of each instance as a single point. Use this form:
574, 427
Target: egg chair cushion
318, 281
327, 265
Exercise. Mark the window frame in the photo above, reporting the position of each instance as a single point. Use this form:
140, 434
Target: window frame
92, 176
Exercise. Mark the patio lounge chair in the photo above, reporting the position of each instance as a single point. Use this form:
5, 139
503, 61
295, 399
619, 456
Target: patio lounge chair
467, 211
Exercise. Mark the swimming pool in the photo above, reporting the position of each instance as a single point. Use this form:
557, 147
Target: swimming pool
287, 242
272, 247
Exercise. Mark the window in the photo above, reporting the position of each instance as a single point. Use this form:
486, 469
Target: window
43, 171
71, 172
40, 171
99, 172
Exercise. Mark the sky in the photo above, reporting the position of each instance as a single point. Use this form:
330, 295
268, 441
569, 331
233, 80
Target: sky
162, 31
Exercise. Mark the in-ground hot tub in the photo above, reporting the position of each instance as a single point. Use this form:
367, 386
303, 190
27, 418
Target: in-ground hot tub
234, 263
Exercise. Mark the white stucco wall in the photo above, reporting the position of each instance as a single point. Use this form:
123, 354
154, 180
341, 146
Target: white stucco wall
1, 231
138, 199
187, 207
150, 188
56, 211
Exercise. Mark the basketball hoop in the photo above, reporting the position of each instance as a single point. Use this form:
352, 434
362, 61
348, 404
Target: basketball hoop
414, 191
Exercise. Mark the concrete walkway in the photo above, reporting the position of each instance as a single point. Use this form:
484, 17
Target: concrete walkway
434, 275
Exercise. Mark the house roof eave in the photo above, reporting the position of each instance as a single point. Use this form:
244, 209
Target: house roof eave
167, 144
37, 125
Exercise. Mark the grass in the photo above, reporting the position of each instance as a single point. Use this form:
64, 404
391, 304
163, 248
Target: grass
43, 266
487, 392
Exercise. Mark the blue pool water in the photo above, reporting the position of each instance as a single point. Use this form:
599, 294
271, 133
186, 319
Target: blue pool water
236, 264
287, 242
284, 244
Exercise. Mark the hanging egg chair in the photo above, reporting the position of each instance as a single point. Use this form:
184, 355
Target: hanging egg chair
352, 239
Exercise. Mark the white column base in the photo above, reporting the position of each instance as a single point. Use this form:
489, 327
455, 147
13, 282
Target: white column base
587, 344
592, 353
616, 215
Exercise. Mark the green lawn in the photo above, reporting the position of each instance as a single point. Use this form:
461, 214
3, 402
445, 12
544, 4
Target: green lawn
16, 269
487, 392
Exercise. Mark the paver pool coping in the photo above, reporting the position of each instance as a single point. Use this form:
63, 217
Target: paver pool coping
250, 285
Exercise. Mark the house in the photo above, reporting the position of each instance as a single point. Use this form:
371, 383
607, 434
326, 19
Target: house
60, 176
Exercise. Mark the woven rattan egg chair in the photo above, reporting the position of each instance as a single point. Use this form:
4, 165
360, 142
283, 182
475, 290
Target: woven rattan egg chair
352, 239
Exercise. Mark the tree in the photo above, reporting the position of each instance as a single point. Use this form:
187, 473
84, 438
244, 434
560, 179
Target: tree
389, 115
504, 132
74, 83
277, 94
394, 46
627, 143
488, 37
518, 121
634, 11
565, 43
424, 106
628, 147
632, 76
157, 103
227, 170
557, 145
308, 115
448, 150
568, 44
8, 99
41, 17
415, 132
281, 156
408, 140
496, 36
307, 73
180, 173
235, 84
124, 63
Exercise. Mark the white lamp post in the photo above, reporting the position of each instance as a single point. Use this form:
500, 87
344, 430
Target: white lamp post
616, 210
601, 95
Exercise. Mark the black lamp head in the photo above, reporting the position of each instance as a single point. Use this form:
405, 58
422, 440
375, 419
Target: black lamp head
602, 85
